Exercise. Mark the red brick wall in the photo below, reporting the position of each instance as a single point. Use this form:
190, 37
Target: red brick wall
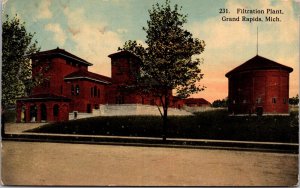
123, 69
57, 71
252, 89
85, 97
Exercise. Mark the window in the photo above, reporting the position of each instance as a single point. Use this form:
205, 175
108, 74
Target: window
72, 90
120, 100
284, 100
77, 89
120, 70
114, 62
274, 100
92, 91
258, 100
61, 89
55, 110
95, 91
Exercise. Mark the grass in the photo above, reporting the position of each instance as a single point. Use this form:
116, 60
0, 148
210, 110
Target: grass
204, 125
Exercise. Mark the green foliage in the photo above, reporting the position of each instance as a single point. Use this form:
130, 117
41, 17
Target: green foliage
17, 45
204, 125
294, 100
166, 62
10, 116
220, 103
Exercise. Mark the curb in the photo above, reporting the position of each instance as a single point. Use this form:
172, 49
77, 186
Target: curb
157, 142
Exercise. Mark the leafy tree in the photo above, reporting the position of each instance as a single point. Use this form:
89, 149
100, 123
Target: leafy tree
167, 63
17, 45
294, 100
220, 103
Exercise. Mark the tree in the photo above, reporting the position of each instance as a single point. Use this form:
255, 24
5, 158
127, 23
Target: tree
17, 45
294, 100
167, 62
220, 103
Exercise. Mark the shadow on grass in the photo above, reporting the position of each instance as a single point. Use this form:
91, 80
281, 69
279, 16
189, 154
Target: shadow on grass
205, 125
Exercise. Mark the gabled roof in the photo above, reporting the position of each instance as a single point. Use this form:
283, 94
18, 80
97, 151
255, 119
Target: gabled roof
61, 53
196, 101
47, 96
258, 63
121, 54
83, 74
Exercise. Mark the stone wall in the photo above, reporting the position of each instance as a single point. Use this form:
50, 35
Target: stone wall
127, 110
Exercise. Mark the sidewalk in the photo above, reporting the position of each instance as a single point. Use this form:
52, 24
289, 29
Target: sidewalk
16, 131
12, 128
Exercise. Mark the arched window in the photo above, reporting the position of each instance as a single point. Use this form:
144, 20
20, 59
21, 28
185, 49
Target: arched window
23, 114
33, 113
95, 91
55, 110
77, 89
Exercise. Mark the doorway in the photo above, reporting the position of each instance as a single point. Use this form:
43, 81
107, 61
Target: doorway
43, 112
33, 113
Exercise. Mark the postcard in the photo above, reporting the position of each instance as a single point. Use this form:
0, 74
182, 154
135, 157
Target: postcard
150, 93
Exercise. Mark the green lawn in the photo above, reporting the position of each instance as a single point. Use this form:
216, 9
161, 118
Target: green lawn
204, 125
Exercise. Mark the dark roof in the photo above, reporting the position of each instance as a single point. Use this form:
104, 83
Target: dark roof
121, 54
47, 96
196, 101
83, 74
258, 63
62, 53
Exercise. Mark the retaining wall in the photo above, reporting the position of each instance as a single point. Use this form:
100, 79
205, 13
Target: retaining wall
128, 110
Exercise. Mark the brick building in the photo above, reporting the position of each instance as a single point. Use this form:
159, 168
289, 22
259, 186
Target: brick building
69, 87
195, 102
259, 86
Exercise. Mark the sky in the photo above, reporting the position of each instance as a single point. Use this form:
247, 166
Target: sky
93, 29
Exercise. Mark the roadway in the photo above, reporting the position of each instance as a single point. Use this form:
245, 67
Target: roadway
65, 164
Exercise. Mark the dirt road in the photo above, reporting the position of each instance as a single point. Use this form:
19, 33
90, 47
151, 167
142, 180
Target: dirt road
33, 163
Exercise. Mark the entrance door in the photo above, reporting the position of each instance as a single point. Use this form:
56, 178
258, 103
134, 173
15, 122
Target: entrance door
43, 112
89, 108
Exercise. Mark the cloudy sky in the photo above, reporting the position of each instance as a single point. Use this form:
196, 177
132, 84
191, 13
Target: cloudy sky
93, 29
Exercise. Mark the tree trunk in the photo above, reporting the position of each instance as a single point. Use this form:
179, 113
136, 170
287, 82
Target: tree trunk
165, 124
165, 117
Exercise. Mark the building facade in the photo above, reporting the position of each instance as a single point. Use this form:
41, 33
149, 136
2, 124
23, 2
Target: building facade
69, 87
259, 86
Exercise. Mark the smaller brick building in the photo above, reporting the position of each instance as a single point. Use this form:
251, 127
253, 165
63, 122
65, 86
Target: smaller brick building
259, 86
197, 102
